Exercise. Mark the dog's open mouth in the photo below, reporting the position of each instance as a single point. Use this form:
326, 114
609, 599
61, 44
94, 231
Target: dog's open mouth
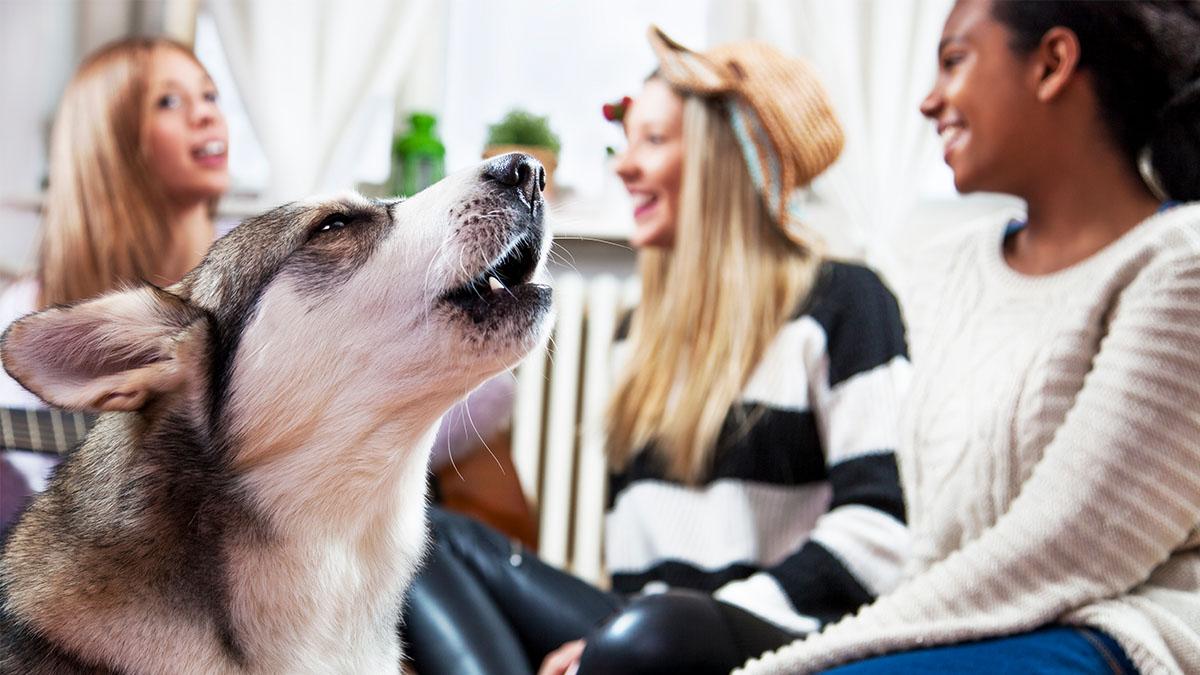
505, 280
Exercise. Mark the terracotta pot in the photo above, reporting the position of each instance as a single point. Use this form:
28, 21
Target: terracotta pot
546, 156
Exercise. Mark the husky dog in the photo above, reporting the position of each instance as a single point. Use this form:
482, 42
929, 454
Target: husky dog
253, 499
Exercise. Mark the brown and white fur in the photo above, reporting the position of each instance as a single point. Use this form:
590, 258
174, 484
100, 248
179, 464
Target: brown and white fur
253, 499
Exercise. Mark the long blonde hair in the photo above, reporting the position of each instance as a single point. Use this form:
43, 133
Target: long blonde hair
105, 221
710, 305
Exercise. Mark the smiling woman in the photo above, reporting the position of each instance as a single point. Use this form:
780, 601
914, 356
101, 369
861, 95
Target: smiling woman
751, 428
652, 165
185, 137
1049, 453
137, 162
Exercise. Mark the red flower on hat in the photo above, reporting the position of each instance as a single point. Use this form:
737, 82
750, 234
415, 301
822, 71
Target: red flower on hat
615, 112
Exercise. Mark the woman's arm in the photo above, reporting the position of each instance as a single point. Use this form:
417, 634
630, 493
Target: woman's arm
857, 380
1116, 492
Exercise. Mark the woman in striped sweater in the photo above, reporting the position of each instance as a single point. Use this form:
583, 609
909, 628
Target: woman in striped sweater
752, 429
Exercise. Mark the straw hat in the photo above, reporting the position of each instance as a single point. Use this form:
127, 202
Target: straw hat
779, 111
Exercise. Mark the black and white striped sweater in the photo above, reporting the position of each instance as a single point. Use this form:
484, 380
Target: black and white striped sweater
801, 518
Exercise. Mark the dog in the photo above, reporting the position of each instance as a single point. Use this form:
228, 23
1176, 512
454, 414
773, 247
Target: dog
252, 499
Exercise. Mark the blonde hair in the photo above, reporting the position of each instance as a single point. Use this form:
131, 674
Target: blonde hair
710, 305
105, 221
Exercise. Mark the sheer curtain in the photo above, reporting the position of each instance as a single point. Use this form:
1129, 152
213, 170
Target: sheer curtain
319, 81
878, 60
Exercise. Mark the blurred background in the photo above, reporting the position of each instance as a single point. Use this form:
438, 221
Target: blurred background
384, 96
320, 95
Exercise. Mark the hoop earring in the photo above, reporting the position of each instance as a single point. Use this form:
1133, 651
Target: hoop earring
1145, 165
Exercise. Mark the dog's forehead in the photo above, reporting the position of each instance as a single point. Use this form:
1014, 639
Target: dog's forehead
240, 263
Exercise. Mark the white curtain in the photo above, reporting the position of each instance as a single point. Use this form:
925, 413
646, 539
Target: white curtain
319, 82
878, 60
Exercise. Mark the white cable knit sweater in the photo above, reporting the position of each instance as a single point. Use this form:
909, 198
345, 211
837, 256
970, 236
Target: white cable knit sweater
1051, 456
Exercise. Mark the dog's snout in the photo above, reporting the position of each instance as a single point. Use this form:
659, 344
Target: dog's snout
520, 171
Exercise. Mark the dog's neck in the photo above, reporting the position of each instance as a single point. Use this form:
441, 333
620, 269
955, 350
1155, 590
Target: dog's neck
335, 462
351, 510
341, 477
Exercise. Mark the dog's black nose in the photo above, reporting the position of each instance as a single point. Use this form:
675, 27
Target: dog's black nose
518, 170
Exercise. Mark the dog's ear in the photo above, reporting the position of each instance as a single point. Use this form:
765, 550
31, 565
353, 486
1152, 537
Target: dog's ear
116, 352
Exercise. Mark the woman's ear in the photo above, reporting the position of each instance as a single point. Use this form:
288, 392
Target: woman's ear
117, 352
1057, 62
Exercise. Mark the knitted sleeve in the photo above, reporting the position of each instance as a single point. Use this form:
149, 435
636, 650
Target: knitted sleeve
858, 547
1115, 492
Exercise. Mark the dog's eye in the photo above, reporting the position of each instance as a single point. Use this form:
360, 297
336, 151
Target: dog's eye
330, 223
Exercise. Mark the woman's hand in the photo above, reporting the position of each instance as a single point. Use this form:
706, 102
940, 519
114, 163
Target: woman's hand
564, 660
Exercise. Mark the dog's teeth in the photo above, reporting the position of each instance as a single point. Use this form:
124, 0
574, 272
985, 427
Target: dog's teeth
495, 283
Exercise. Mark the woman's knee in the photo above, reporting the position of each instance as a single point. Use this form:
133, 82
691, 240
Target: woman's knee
672, 632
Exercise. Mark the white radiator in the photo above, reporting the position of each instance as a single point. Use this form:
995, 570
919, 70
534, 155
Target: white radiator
558, 421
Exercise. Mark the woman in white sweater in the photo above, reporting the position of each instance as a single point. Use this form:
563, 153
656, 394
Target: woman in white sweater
1051, 454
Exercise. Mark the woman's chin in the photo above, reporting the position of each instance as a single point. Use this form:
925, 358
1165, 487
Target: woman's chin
204, 191
658, 233
964, 183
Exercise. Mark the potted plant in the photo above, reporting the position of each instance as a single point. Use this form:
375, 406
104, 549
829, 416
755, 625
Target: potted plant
521, 131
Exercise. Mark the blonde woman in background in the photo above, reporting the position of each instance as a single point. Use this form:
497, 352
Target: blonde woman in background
752, 431
137, 162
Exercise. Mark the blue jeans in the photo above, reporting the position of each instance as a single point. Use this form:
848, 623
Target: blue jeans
1054, 649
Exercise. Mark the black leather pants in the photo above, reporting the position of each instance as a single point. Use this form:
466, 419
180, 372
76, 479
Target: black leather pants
483, 605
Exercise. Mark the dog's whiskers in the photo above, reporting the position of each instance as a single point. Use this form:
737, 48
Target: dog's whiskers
510, 372
561, 251
437, 256
558, 258
596, 240
467, 275
450, 454
469, 417
550, 352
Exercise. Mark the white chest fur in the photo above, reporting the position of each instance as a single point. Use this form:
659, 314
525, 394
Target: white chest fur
325, 595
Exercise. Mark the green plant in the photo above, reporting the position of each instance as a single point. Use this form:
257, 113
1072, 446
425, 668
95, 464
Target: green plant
523, 128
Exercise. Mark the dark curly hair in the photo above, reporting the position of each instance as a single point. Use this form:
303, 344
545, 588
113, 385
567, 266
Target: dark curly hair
1145, 58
